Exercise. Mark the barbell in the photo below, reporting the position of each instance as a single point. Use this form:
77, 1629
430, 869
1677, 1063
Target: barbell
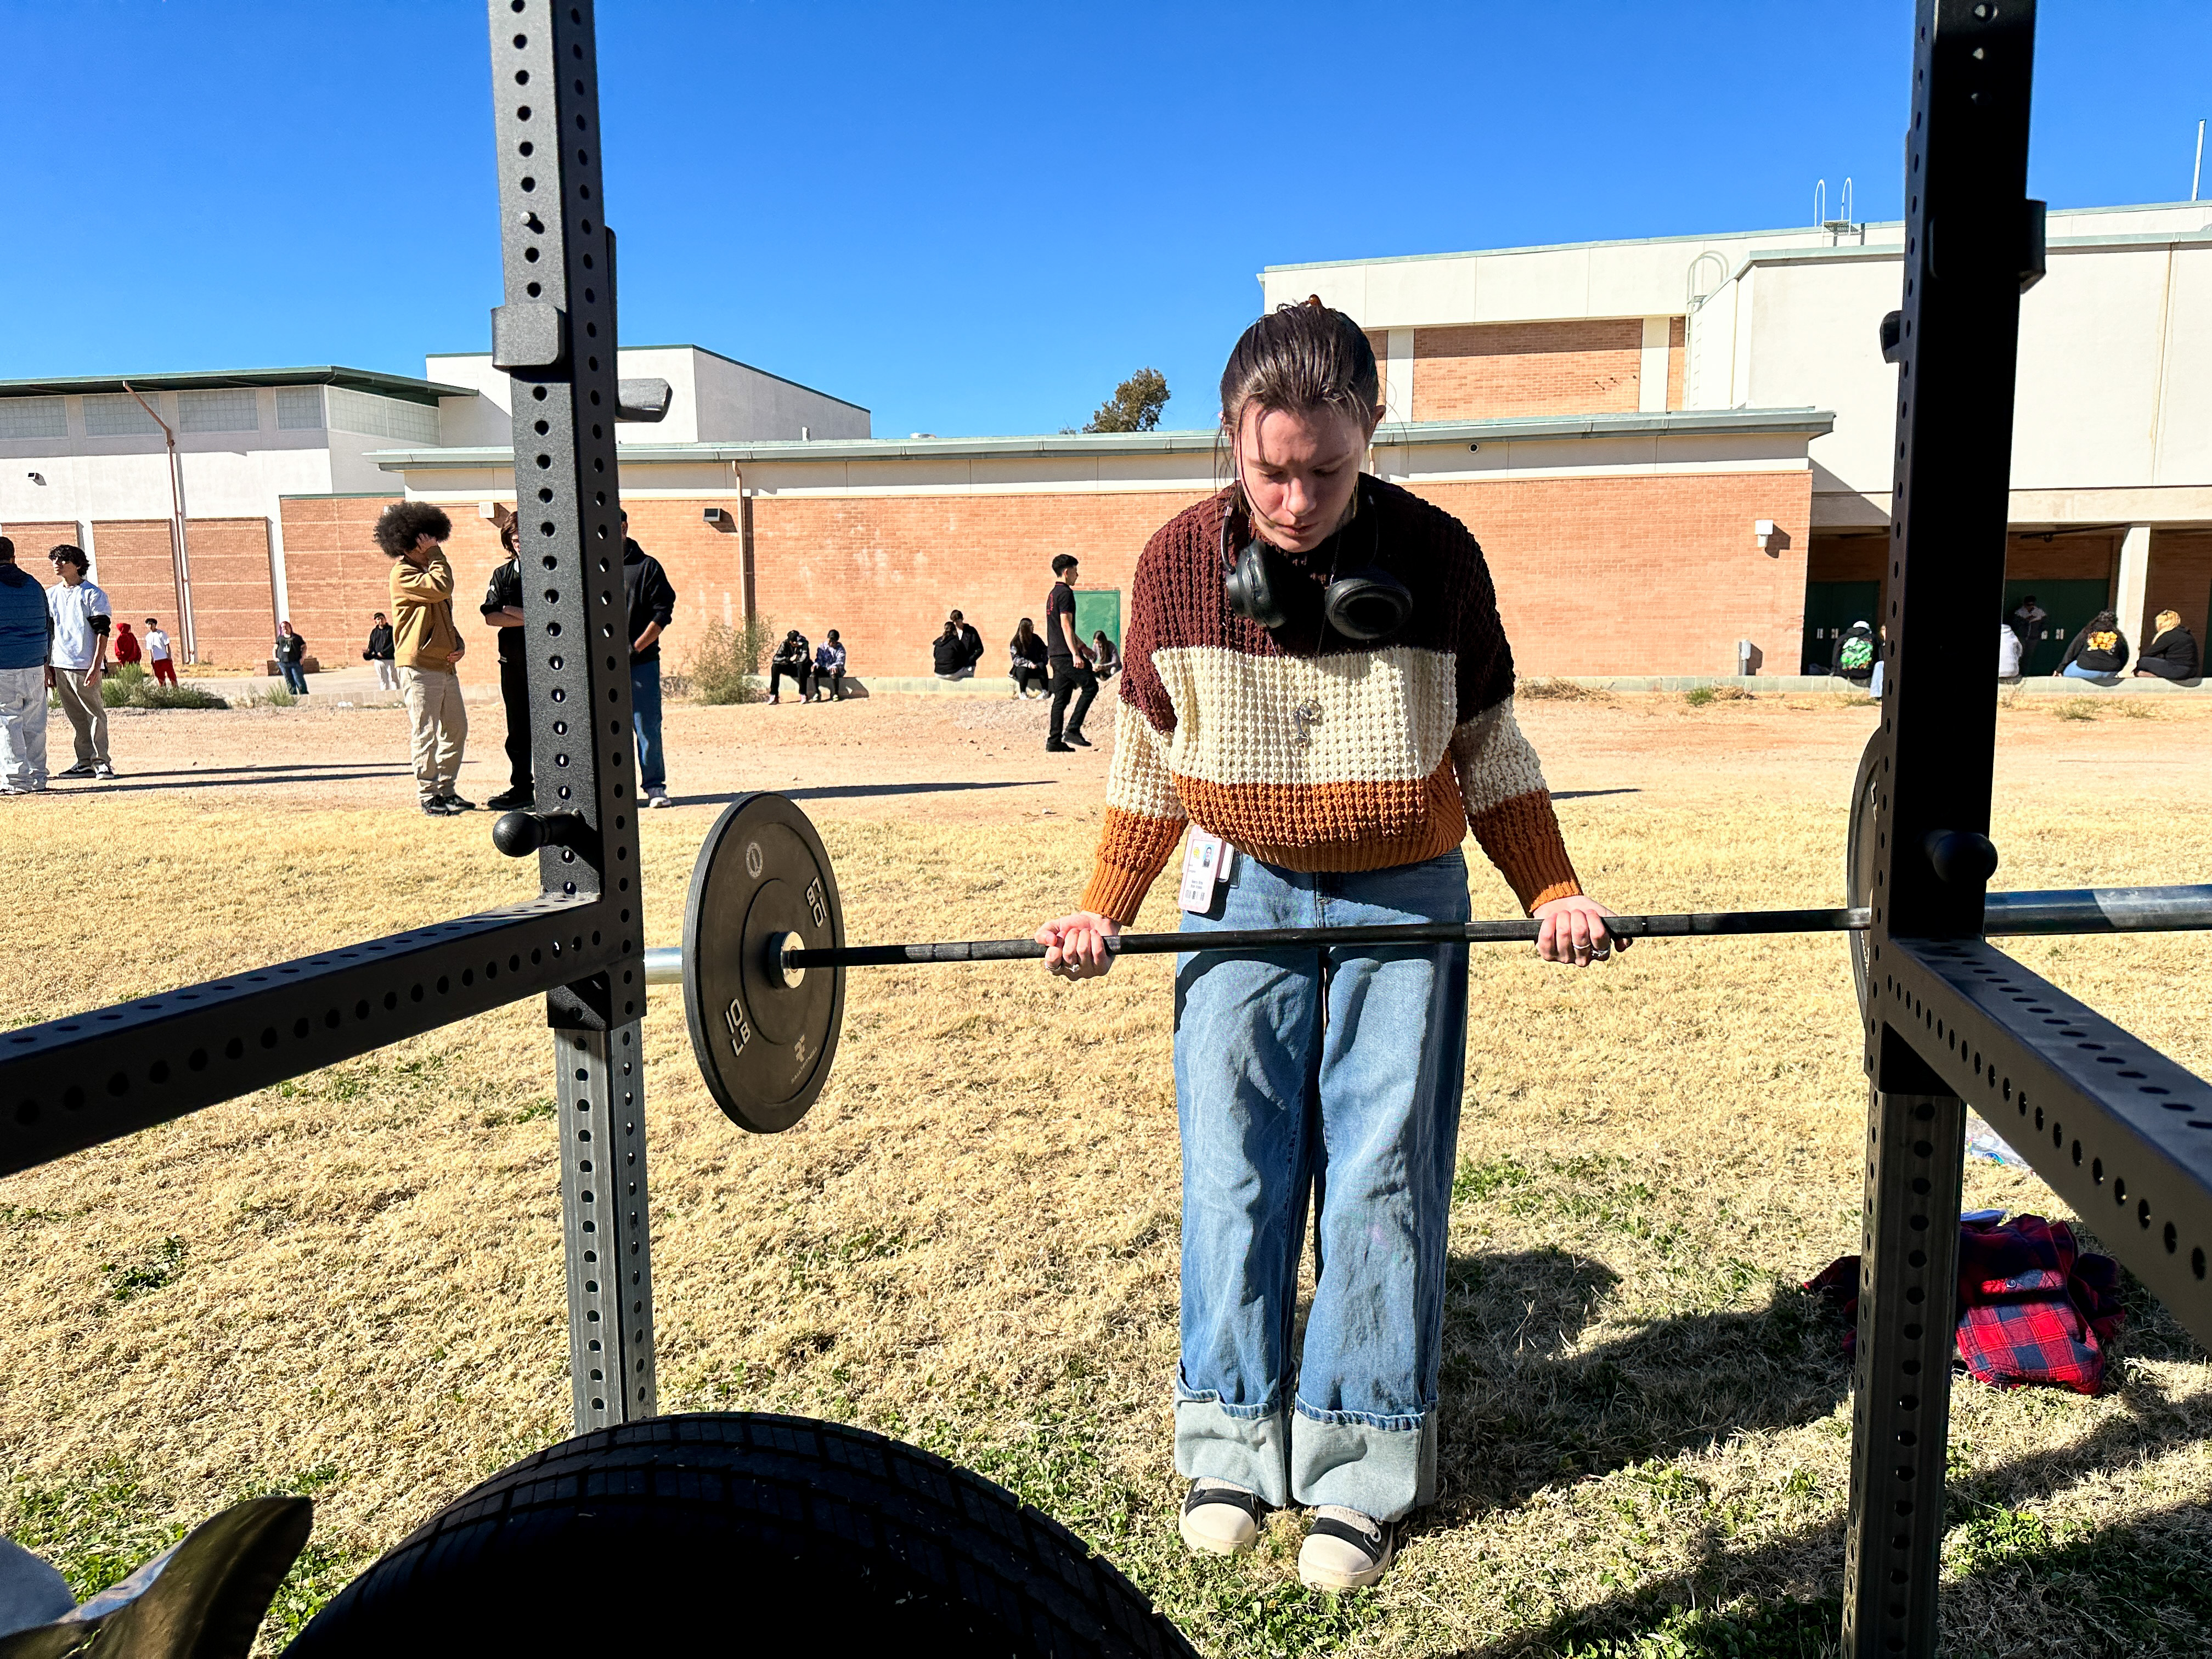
763, 959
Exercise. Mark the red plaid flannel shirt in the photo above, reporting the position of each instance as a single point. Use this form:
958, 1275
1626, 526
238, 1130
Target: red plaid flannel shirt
2032, 1308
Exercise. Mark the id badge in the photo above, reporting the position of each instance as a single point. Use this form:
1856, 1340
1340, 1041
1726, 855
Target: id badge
1207, 861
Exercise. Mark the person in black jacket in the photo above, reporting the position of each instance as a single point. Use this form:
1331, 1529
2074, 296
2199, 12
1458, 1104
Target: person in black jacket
291, 653
1031, 657
971, 639
794, 660
652, 599
2171, 654
948, 653
2099, 651
1856, 652
380, 652
502, 610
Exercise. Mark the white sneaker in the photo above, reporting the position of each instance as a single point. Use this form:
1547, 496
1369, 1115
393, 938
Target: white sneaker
1345, 1550
1219, 1519
658, 797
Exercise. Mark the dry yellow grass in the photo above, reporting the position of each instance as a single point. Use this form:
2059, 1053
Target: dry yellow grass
352, 1283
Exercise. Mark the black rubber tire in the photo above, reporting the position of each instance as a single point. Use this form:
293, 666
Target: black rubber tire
729, 1531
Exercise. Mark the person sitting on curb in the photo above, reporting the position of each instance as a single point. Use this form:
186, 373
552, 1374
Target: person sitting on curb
1026, 651
948, 653
1105, 658
829, 667
791, 661
2100, 651
2171, 654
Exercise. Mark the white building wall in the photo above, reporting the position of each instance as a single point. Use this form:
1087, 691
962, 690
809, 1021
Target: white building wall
2114, 390
712, 400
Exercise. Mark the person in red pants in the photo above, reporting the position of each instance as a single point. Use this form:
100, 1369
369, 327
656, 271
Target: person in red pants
160, 656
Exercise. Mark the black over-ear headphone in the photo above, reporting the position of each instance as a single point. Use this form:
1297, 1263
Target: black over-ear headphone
1364, 602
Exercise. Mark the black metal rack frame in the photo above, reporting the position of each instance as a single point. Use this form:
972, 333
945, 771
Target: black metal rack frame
2122, 1133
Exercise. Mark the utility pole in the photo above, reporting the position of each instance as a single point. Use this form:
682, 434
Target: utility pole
178, 559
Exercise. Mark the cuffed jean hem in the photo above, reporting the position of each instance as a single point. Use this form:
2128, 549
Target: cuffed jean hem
1312, 1459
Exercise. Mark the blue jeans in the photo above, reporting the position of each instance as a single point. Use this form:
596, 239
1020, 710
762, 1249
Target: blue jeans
2073, 670
645, 716
295, 677
1336, 1079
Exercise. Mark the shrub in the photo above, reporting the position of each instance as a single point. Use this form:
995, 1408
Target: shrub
725, 667
119, 689
1561, 690
1699, 695
2076, 709
131, 687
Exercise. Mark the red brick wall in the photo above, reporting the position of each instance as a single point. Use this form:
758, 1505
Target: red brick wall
234, 613
2180, 579
36, 538
884, 570
1596, 575
1577, 368
1641, 575
1677, 342
1380, 341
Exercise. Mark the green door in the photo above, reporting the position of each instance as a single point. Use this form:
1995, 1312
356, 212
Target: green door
2071, 604
1829, 608
1097, 608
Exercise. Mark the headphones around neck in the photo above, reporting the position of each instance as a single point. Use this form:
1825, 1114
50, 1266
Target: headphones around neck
1364, 602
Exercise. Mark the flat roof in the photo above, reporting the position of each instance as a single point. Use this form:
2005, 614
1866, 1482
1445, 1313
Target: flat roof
1695, 236
690, 345
404, 386
1679, 422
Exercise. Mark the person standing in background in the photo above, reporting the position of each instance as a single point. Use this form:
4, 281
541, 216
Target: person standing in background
652, 607
380, 652
126, 646
27, 629
1071, 661
502, 609
80, 612
291, 659
160, 657
830, 666
2026, 621
429, 649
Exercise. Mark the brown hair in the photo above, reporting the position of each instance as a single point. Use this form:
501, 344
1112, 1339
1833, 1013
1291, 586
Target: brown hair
1300, 359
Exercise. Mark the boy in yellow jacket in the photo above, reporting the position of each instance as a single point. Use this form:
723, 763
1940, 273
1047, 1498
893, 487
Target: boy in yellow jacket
428, 648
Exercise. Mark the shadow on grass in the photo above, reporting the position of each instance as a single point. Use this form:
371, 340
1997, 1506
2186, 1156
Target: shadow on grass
2016, 1584
1525, 1406
860, 791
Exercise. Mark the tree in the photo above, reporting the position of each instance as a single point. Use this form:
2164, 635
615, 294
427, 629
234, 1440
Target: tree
1135, 405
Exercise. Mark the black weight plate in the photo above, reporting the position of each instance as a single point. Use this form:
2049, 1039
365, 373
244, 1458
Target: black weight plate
1859, 849
764, 1046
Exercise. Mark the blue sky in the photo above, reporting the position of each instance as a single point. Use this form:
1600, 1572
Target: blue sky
968, 218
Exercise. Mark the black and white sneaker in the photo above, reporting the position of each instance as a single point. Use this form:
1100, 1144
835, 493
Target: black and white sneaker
102, 769
81, 769
435, 807
1345, 1550
510, 800
1219, 1519
455, 804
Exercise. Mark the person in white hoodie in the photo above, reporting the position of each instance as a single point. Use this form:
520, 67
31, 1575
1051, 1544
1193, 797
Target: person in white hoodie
2008, 654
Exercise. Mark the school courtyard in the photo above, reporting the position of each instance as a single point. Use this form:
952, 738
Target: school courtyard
352, 1285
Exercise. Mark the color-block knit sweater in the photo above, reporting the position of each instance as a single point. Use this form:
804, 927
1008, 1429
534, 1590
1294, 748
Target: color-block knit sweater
1311, 751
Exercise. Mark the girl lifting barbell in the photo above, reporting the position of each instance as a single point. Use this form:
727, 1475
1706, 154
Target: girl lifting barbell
1315, 672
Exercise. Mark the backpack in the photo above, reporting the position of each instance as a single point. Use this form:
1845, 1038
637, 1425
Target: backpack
1858, 653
